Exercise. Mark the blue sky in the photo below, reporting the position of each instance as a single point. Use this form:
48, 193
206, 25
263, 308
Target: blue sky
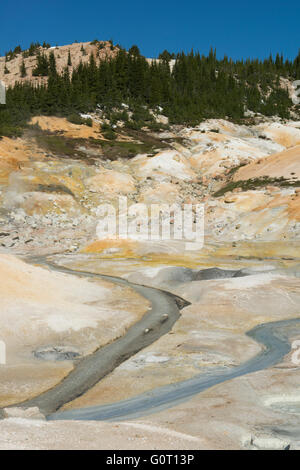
239, 29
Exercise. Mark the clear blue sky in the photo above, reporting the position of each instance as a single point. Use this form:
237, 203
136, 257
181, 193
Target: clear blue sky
239, 28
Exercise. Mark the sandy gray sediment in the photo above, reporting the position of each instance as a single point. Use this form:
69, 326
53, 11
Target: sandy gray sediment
88, 371
274, 336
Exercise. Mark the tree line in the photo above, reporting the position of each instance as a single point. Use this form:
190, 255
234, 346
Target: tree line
196, 87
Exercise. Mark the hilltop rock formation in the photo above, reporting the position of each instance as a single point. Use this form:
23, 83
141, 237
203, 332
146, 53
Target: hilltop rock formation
79, 52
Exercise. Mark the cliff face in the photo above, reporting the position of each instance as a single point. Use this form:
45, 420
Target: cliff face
10, 71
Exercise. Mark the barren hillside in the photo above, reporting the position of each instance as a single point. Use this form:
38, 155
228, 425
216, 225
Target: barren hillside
281, 165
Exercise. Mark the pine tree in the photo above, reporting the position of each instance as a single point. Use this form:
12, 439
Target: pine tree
23, 70
42, 67
69, 59
52, 64
199, 87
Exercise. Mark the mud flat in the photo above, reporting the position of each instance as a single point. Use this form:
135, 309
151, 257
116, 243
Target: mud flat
88, 371
273, 336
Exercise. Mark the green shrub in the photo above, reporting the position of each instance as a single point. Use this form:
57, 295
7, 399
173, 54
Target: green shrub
256, 183
10, 131
105, 126
109, 134
157, 126
118, 116
78, 120
88, 122
135, 125
74, 118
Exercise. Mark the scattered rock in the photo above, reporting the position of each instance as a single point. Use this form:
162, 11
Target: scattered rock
25, 413
269, 443
56, 353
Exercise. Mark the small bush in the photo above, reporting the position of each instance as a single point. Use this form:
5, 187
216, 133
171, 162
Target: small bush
78, 120
118, 116
105, 127
256, 183
89, 122
135, 125
109, 134
74, 118
141, 113
10, 131
157, 126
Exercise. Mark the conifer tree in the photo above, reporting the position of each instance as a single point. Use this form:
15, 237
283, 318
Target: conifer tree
23, 70
52, 64
197, 88
42, 67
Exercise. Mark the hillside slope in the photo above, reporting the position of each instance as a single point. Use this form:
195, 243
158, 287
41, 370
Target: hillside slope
281, 165
79, 52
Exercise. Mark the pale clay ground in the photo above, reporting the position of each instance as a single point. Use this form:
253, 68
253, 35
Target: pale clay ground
254, 228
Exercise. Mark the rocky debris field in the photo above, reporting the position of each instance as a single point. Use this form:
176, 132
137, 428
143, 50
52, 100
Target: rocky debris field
52, 184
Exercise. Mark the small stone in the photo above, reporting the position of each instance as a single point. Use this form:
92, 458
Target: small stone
270, 443
25, 413
229, 200
164, 317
